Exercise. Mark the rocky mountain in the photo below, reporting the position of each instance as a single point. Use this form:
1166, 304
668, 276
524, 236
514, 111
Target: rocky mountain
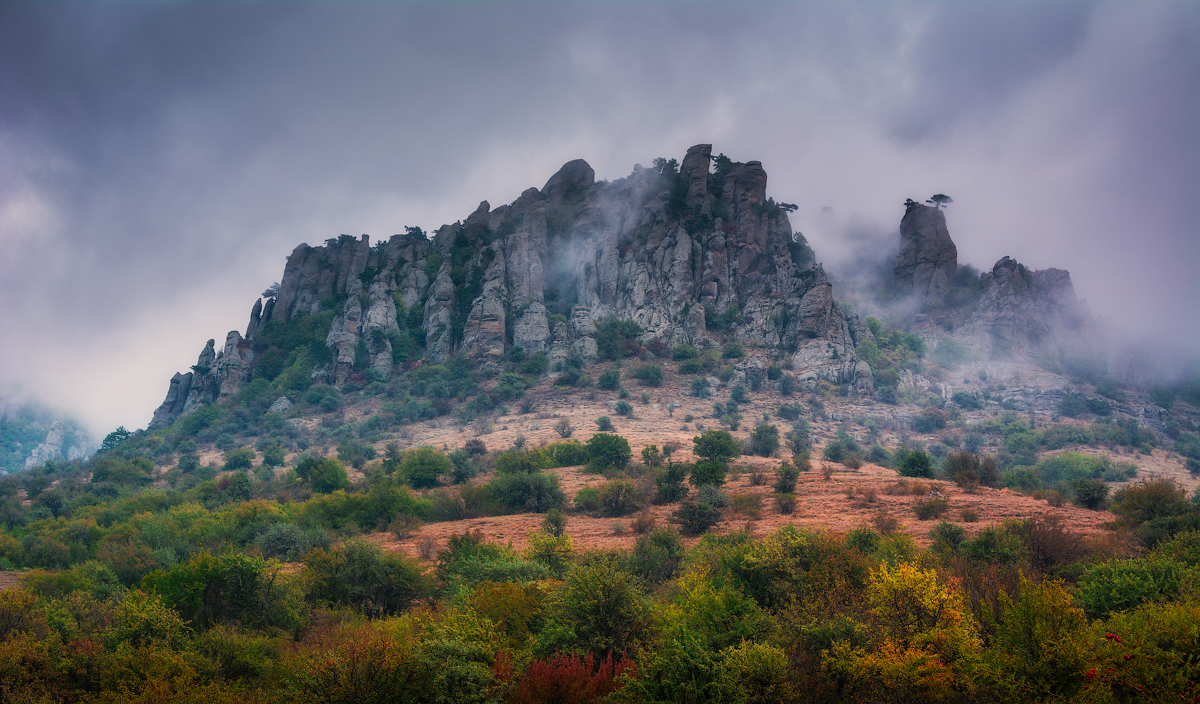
692, 253
1019, 312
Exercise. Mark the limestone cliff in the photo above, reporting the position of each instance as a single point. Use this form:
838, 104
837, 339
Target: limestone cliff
693, 253
928, 259
1026, 313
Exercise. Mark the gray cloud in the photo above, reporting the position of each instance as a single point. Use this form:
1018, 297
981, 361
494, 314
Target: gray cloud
158, 161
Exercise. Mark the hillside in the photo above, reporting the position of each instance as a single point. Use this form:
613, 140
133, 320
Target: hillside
624, 427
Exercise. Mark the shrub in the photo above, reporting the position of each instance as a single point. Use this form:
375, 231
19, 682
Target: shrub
601, 609
231, 588
1090, 493
605, 424
695, 517
610, 380
423, 467
789, 411
1162, 396
1149, 499
716, 446
535, 492
570, 679
1118, 585
623, 408
242, 458
765, 440
966, 401
553, 551
968, 470
948, 535
785, 478
708, 473
785, 503
917, 464
1071, 406
274, 455
930, 508
670, 485
608, 452
835, 451
360, 575
657, 556
648, 374
700, 388
324, 475
994, 546
931, 419
563, 428
619, 497
617, 338
748, 505
733, 350
555, 523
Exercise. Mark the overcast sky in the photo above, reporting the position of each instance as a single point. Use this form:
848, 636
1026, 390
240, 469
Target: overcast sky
158, 161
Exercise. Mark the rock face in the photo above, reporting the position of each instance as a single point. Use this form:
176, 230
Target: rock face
1028, 313
691, 256
49, 450
928, 259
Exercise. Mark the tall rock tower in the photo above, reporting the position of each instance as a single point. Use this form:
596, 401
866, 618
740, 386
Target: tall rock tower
928, 259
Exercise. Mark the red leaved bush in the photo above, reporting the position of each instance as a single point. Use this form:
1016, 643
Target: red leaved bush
563, 678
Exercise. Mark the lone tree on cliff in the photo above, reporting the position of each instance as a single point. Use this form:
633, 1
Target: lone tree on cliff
939, 200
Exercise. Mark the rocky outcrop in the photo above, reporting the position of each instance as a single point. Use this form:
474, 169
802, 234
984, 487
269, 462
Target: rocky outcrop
928, 259
690, 255
1026, 313
50, 449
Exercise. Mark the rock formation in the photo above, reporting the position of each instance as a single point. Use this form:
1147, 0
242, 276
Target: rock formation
928, 259
1028, 313
671, 248
49, 450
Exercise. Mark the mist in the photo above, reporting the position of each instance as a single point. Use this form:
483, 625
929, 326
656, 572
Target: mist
159, 161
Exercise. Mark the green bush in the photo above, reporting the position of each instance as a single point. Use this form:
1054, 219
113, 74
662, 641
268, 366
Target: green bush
324, 474
601, 611
684, 352
790, 411
616, 338
1119, 585
966, 401
657, 556
242, 458
694, 518
623, 408
785, 478
733, 350
917, 464
708, 473
610, 380
932, 507
619, 497
716, 446
1090, 493
670, 484
605, 424
1162, 396
608, 452
535, 492
765, 440
423, 467
648, 374
360, 575
233, 588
